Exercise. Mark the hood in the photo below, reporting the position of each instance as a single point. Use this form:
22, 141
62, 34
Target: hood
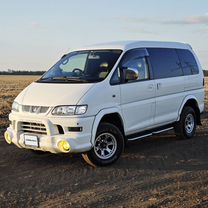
52, 94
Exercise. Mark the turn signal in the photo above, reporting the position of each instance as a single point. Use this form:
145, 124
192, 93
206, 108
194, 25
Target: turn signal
7, 137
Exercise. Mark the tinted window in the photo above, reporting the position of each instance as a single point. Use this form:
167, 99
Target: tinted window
116, 78
188, 62
140, 65
165, 63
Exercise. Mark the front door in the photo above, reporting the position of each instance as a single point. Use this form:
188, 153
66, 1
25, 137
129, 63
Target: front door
137, 95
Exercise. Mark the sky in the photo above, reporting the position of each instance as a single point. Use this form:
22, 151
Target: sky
35, 34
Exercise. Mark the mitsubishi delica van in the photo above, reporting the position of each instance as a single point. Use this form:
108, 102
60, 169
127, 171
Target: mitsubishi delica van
96, 99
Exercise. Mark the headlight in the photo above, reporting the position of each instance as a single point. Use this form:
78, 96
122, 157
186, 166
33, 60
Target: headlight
70, 110
16, 106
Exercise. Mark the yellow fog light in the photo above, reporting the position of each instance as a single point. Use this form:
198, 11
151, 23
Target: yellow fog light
64, 146
7, 137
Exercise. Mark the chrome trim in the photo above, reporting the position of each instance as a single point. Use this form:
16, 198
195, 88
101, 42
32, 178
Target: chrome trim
150, 134
140, 137
157, 132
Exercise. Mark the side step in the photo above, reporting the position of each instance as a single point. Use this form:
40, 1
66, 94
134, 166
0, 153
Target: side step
148, 133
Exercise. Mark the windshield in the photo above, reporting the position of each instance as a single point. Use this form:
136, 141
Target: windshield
82, 66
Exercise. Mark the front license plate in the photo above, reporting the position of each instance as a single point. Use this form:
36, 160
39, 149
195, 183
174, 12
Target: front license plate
31, 140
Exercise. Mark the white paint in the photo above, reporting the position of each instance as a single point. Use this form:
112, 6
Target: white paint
141, 105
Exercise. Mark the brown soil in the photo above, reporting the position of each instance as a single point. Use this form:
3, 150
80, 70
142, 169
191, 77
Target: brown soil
156, 172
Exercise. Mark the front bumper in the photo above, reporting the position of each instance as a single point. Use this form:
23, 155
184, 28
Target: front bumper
78, 141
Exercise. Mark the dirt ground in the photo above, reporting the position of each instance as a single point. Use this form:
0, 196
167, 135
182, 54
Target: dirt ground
156, 172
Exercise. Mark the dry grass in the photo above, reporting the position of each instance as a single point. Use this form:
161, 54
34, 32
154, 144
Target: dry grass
159, 172
206, 94
10, 87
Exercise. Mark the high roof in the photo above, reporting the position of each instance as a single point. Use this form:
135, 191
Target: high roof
126, 45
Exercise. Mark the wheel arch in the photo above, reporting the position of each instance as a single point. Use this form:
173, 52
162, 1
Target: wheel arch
192, 102
113, 116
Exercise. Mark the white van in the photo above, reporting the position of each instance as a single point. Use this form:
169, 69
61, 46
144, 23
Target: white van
94, 100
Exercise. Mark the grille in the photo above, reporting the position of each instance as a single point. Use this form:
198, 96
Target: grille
30, 127
34, 109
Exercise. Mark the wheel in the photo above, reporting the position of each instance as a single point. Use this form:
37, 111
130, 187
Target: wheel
186, 127
108, 146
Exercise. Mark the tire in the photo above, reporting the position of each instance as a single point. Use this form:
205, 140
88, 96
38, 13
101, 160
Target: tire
108, 146
185, 128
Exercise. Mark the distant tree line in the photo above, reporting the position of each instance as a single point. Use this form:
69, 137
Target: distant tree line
13, 72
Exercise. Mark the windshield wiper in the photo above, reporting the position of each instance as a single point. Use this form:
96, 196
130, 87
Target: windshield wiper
64, 78
42, 79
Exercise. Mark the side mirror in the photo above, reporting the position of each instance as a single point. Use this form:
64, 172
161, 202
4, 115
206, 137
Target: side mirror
131, 74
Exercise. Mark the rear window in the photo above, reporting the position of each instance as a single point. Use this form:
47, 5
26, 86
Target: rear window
165, 63
188, 62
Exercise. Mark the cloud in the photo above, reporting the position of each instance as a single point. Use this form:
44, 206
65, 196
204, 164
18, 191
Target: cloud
141, 31
136, 20
37, 25
192, 20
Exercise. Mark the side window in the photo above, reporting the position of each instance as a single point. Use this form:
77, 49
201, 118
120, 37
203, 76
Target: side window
188, 62
135, 62
165, 63
116, 78
140, 65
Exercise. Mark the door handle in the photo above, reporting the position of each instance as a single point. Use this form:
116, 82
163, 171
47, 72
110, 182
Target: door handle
159, 85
